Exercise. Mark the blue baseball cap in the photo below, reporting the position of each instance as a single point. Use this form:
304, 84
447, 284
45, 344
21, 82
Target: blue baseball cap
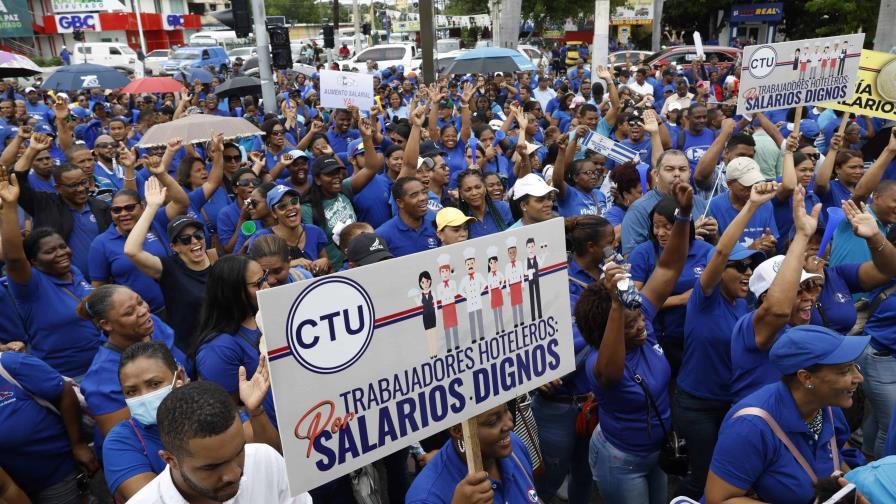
809, 128
355, 147
7, 132
668, 88
807, 345
44, 129
739, 252
315, 76
80, 112
277, 193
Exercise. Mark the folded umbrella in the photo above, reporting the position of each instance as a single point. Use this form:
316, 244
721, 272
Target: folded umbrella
153, 85
85, 76
15, 65
486, 60
239, 86
200, 74
197, 128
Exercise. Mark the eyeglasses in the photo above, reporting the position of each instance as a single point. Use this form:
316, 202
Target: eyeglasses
810, 286
590, 173
106, 145
291, 202
248, 182
130, 207
186, 239
261, 281
233, 159
814, 156
77, 185
277, 132
740, 266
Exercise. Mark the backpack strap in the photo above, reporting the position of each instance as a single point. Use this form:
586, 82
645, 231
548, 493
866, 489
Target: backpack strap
137, 432
39, 400
522, 468
880, 298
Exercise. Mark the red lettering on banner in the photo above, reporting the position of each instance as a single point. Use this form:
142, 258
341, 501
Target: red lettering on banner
312, 423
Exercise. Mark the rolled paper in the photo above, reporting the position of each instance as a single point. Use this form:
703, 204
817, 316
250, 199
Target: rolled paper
473, 148
499, 135
238, 112
134, 116
382, 124
835, 216
643, 168
249, 228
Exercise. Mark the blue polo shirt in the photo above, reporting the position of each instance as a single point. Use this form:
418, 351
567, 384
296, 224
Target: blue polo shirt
57, 335
615, 214
706, 363
577, 202
227, 219
669, 322
436, 482
880, 324
107, 262
34, 448
847, 247
624, 407
835, 298
748, 455
724, 212
487, 225
404, 240
219, 360
637, 222
11, 326
372, 203
315, 240
39, 184
84, 231
750, 367
455, 158
130, 449
339, 141
836, 193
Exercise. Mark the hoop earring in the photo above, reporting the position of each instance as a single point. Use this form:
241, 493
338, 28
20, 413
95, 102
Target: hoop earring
460, 445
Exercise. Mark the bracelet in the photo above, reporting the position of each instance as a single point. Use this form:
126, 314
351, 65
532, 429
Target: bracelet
130, 179
682, 218
881, 246
256, 415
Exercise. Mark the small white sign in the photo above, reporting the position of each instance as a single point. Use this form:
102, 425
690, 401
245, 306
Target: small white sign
341, 90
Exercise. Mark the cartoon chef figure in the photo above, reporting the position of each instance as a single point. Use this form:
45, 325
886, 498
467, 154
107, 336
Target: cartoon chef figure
513, 275
533, 263
471, 287
495, 288
447, 291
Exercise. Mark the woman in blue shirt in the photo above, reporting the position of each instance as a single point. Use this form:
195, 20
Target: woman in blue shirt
716, 303
820, 377
491, 216
147, 373
579, 186
629, 373
228, 334
272, 253
845, 166
307, 242
628, 190
46, 288
449, 140
507, 468
396, 109
203, 188
562, 116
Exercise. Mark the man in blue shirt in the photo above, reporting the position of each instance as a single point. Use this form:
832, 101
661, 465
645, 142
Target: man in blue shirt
761, 232
413, 229
37, 108
849, 248
372, 203
696, 139
341, 133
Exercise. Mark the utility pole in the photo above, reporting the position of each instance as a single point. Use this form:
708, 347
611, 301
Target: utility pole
356, 13
264, 57
885, 36
657, 32
600, 47
427, 40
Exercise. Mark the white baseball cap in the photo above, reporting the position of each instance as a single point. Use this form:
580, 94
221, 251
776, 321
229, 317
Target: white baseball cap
744, 170
533, 185
765, 274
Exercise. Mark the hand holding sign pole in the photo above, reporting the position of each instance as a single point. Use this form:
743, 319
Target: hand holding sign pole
471, 445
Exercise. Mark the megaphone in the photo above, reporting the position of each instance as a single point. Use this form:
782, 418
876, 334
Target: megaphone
473, 148
835, 217
499, 135
643, 169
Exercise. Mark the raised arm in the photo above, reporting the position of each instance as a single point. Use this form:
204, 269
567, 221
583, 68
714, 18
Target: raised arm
147, 263
607, 77
412, 147
18, 267
567, 151
64, 129
788, 171
610, 365
372, 162
216, 176
759, 195
882, 266
252, 393
870, 180
11, 152
823, 177
652, 126
316, 128
38, 144
176, 198
707, 164
465, 113
671, 262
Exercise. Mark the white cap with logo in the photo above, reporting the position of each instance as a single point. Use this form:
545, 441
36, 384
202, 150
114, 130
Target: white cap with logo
765, 274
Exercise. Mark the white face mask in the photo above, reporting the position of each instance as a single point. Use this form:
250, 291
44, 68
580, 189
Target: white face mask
144, 408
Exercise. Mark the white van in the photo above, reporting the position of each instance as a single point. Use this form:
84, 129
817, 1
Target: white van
385, 55
113, 54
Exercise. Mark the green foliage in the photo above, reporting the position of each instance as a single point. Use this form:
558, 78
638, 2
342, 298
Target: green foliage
833, 17
52, 61
306, 11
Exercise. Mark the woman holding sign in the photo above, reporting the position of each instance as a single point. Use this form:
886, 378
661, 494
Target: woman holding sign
629, 373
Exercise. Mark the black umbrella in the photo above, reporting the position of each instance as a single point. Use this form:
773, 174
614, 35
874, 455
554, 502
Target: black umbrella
85, 76
239, 86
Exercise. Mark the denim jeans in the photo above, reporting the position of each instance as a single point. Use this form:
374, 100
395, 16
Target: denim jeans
564, 452
698, 421
880, 390
626, 478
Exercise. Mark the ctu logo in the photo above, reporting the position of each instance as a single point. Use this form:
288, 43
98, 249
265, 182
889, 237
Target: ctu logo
78, 22
763, 62
330, 325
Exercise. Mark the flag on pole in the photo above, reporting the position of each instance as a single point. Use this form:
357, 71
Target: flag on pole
613, 150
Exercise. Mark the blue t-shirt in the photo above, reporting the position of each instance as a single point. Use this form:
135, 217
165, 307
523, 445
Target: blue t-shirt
57, 335
219, 360
783, 212
34, 448
669, 322
750, 367
836, 193
880, 324
615, 214
748, 455
577, 202
219, 201
11, 326
636, 224
315, 240
436, 482
227, 219
372, 203
846, 247
39, 184
108, 262
624, 407
84, 231
644, 149
404, 240
455, 159
706, 363
339, 141
724, 212
835, 298
695, 146
488, 225
130, 449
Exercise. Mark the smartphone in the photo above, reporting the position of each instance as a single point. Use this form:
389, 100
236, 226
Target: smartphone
846, 494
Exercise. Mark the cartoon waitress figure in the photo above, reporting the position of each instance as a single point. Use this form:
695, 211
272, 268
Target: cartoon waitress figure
513, 274
425, 298
495, 281
447, 291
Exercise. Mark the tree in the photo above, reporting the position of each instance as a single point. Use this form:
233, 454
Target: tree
832, 17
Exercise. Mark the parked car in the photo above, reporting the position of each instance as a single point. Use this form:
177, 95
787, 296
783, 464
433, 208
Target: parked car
534, 54
619, 59
114, 54
155, 59
572, 52
443, 61
384, 55
241, 52
682, 56
196, 57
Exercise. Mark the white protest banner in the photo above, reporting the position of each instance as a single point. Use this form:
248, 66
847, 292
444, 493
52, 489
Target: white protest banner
608, 148
698, 45
799, 72
367, 361
344, 89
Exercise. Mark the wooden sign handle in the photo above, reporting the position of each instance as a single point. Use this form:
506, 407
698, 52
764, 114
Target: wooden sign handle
471, 445
843, 122
797, 117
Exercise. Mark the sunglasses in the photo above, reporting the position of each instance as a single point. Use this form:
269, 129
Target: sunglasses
283, 205
123, 208
590, 173
814, 156
740, 266
258, 284
248, 183
277, 133
187, 239
106, 145
233, 159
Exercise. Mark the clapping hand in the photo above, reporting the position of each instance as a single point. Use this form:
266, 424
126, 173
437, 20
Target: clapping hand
863, 223
9, 188
154, 193
253, 391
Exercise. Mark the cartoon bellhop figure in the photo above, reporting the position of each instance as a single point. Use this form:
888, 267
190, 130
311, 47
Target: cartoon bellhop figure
495, 288
471, 287
513, 274
532, 264
447, 291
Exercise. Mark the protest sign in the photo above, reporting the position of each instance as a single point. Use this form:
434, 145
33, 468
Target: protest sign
344, 89
798, 72
875, 91
367, 361
608, 148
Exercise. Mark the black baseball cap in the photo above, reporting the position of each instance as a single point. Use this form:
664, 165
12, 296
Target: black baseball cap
430, 149
178, 224
367, 248
326, 164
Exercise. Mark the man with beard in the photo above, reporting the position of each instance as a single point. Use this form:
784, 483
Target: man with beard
207, 454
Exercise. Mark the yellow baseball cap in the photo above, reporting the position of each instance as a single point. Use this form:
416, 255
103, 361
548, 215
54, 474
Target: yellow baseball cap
450, 216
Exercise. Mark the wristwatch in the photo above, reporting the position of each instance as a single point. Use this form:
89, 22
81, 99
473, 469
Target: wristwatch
681, 217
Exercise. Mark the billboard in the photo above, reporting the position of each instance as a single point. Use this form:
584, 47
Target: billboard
15, 20
875, 91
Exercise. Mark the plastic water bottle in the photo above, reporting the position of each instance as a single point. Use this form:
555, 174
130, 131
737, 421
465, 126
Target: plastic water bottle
626, 291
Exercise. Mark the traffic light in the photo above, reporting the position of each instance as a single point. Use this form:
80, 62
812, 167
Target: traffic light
281, 54
365, 28
329, 41
242, 18
79, 35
